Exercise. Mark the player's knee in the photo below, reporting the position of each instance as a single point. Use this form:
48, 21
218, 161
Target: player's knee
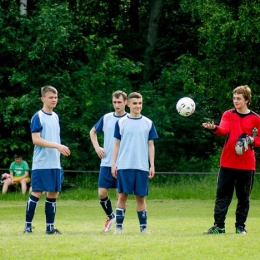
102, 193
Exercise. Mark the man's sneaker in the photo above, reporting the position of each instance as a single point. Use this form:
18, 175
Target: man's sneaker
53, 232
118, 231
145, 231
240, 230
215, 230
108, 225
28, 231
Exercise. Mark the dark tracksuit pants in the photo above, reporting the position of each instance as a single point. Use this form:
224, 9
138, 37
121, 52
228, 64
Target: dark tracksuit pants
228, 180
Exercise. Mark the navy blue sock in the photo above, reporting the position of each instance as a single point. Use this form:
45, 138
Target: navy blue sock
142, 216
120, 216
30, 210
50, 212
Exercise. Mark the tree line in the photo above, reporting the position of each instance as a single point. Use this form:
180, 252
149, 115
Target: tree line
163, 49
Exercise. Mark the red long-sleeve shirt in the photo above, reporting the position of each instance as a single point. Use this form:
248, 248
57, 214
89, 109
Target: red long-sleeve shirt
233, 124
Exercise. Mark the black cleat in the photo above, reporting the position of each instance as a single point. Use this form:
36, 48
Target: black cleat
28, 231
240, 230
53, 232
215, 230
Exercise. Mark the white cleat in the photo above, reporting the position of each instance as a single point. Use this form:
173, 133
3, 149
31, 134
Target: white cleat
118, 231
145, 231
109, 223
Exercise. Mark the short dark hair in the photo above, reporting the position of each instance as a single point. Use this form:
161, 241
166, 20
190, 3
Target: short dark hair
119, 93
17, 155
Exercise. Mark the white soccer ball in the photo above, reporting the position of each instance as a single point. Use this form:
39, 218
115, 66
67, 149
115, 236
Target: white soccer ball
185, 106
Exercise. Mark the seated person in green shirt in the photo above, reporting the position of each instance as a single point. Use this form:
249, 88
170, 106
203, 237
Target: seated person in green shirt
19, 174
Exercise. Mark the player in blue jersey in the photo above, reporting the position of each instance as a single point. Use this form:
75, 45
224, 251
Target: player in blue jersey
133, 160
106, 124
46, 165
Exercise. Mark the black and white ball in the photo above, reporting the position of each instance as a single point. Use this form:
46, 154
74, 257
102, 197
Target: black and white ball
185, 106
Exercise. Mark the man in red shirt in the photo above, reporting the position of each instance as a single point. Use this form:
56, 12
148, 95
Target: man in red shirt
237, 163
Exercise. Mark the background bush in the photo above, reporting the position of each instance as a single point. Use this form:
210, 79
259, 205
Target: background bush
165, 50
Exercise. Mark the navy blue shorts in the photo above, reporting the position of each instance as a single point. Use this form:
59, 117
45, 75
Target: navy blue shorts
105, 178
133, 182
46, 180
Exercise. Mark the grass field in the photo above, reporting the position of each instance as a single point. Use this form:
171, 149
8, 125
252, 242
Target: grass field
176, 226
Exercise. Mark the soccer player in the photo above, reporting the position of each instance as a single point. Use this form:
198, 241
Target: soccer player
46, 165
106, 124
237, 163
133, 160
19, 173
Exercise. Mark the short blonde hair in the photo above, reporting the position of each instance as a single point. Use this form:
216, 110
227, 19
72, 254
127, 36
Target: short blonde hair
245, 91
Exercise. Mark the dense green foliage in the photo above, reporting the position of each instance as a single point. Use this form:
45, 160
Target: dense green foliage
88, 49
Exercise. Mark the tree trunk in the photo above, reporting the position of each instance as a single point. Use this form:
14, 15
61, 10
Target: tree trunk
155, 15
134, 16
23, 7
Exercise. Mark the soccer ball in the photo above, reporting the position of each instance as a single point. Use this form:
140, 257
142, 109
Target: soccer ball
185, 106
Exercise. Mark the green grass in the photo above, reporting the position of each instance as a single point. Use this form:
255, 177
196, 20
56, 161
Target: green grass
180, 208
176, 226
161, 187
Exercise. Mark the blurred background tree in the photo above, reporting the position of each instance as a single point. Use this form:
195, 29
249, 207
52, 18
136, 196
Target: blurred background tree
164, 49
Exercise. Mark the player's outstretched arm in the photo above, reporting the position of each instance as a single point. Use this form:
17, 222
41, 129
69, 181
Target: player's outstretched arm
38, 140
209, 125
64, 150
